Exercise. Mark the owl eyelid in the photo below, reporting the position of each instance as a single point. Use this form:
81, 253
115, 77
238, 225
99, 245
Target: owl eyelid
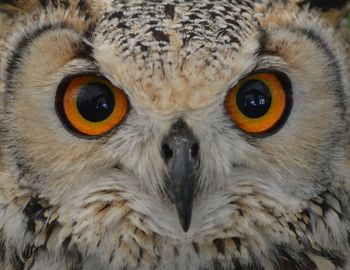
96, 74
282, 76
82, 74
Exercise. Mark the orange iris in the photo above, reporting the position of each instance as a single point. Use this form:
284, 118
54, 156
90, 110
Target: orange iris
92, 105
257, 103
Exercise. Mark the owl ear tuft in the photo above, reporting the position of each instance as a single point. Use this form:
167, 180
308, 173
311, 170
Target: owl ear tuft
325, 5
14, 7
331, 10
9, 6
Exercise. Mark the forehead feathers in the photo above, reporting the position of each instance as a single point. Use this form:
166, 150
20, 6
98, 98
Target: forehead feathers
178, 55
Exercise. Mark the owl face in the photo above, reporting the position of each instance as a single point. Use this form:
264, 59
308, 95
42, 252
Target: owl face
153, 126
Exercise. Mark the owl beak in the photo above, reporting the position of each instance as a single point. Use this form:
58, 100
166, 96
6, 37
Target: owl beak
180, 150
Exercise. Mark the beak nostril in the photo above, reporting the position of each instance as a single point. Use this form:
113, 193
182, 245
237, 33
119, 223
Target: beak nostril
195, 151
167, 152
181, 155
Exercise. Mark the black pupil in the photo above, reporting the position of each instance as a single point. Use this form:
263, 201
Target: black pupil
254, 99
95, 102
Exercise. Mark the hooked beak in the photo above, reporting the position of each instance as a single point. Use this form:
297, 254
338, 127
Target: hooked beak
180, 150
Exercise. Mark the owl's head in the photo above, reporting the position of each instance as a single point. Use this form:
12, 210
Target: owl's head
188, 120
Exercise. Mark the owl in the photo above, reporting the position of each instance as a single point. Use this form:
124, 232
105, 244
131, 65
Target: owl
175, 134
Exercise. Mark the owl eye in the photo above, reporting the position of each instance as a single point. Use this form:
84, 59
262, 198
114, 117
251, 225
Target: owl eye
91, 105
260, 103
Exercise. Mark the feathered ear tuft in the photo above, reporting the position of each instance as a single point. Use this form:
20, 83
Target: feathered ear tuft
9, 6
12, 7
332, 10
15, 7
325, 5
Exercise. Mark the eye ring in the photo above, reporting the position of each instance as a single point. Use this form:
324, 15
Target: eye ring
90, 105
260, 103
